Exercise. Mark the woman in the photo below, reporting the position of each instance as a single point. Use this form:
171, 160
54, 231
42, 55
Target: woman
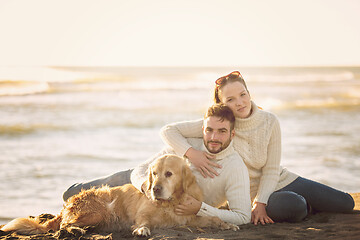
277, 194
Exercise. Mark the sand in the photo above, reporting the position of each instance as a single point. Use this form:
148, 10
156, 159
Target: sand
316, 226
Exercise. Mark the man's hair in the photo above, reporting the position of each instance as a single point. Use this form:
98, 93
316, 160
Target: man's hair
223, 112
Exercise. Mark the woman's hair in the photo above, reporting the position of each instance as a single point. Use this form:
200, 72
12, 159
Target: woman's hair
223, 112
222, 81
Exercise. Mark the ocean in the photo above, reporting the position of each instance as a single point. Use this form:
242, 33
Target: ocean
61, 125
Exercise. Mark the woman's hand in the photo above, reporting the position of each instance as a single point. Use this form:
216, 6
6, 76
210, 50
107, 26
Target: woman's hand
201, 161
190, 206
259, 215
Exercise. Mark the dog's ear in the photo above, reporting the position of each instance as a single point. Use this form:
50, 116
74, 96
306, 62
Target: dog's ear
187, 178
190, 184
146, 186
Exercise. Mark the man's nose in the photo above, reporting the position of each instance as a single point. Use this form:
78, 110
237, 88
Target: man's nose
214, 136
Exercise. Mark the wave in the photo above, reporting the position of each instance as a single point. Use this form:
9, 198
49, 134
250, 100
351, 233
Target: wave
28, 129
33, 80
314, 103
16, 88
303, 77
38, 74
23, 81
19, 129
101, 157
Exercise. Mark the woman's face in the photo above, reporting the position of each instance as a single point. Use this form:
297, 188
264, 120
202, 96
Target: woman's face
237, 98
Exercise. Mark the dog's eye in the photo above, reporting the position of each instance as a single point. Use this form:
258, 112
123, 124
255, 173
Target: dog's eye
154, 173
168, 174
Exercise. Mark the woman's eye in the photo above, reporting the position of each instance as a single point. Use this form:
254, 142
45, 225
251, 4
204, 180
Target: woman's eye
168, 174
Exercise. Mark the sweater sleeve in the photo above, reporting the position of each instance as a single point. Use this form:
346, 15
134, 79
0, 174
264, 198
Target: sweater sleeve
271, 170
237, 191
174, 135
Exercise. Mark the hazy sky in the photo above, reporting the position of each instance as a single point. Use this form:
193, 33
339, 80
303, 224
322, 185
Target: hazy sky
184, 32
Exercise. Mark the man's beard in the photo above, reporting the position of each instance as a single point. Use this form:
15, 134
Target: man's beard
222, 146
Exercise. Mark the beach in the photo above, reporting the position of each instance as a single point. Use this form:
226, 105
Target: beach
316, 226
62, 125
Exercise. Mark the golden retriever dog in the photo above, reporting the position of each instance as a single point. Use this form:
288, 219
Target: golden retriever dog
170, 180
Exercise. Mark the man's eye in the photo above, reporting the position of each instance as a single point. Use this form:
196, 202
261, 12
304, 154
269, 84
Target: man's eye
168, 174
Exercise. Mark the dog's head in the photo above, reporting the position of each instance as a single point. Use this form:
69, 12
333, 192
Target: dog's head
169, 178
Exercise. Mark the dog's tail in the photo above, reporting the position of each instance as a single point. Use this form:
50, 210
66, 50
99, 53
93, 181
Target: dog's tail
29, 226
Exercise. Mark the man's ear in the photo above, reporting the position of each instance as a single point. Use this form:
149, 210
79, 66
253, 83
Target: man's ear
232, 134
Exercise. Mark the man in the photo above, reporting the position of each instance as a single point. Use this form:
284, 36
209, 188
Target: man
232, 183
231, 186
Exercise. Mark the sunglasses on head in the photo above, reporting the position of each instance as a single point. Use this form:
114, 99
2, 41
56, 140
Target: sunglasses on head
232, 75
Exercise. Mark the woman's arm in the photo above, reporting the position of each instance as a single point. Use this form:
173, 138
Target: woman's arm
174, 135
271, 170
270, 177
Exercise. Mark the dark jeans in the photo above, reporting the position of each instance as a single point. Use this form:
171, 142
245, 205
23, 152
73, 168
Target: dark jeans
292, 203
114, 180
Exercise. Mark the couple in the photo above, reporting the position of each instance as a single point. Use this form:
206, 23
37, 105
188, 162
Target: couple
277, 194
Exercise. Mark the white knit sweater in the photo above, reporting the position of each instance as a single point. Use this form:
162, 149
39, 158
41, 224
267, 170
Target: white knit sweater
231, 186
257, 140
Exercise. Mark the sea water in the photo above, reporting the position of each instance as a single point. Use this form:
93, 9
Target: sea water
61, 125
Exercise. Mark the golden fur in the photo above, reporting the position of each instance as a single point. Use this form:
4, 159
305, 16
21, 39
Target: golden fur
124, 207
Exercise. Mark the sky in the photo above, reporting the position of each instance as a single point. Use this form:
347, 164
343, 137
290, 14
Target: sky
179, 33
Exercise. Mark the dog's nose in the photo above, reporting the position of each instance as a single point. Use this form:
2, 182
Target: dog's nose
157, 189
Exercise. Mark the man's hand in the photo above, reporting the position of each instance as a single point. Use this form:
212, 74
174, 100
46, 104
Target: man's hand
202, 163
259, 215
190, 206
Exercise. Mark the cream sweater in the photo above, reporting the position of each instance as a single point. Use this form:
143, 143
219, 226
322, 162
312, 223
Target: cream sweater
257, 140
231, 186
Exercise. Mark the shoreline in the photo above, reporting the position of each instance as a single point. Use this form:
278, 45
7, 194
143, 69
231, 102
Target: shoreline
315, 226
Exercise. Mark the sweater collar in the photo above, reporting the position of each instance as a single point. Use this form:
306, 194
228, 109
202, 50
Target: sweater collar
221, 155
251, 121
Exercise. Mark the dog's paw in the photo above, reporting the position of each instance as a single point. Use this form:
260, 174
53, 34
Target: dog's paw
233, 227
142, 232
220, 224
228, 226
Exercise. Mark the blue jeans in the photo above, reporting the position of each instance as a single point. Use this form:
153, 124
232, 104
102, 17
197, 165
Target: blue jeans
114, 180
292, 203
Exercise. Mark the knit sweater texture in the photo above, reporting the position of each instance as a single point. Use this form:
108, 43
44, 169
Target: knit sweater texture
257, 140
231, 186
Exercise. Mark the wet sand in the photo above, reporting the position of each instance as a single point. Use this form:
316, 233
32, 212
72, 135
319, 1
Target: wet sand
316, 226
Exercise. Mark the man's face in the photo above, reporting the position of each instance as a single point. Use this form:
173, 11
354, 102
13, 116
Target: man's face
216, 134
